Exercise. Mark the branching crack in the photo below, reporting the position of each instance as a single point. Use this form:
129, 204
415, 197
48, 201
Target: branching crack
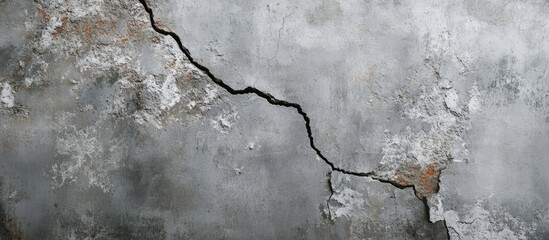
272, 100
251, 90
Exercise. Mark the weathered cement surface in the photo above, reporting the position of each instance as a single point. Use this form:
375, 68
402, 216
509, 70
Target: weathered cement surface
108, 131
403, 89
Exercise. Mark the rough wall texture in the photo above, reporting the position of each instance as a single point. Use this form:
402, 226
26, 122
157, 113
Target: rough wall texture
255, 119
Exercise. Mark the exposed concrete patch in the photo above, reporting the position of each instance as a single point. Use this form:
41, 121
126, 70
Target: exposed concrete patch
482, 224
367, 203
416, 157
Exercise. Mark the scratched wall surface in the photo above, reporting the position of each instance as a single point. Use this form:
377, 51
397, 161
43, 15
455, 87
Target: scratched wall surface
331, 119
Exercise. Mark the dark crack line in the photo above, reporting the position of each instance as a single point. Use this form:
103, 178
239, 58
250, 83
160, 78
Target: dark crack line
331, 188
251, 90
274, 101
469, 223
448, 230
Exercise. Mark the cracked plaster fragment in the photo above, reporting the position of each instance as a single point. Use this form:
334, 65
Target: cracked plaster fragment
436, 208
496, 194
479, 223
415, 158
379, 211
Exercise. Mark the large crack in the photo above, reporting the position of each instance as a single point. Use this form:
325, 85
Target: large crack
274, 101
251, 90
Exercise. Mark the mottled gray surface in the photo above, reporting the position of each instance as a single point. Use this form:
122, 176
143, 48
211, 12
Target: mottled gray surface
434, 114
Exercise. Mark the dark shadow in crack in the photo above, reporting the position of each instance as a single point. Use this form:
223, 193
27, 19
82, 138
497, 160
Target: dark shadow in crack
251, 90
274, 101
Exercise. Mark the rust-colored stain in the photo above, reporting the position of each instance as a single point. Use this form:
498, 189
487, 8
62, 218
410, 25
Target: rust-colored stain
407, 176
162, 25
92, 28
43, 14
106, 26
88, 30
424, 179
171, 64
428, 180
132, 30
403, 179
59, 29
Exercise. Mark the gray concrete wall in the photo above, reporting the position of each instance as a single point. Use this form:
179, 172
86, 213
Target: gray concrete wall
274, 120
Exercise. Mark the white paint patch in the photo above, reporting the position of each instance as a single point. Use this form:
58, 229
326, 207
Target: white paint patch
28, 81
170, 94
474, 104
211, 94
191, 104
143, 118
78, 10
444, 138
436, 210
46, 39
452, 100
224, 122
460, 152
104, 60
429, 109
349, 200
6, 96
205, 97
394, 150
157, 99
87, 155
